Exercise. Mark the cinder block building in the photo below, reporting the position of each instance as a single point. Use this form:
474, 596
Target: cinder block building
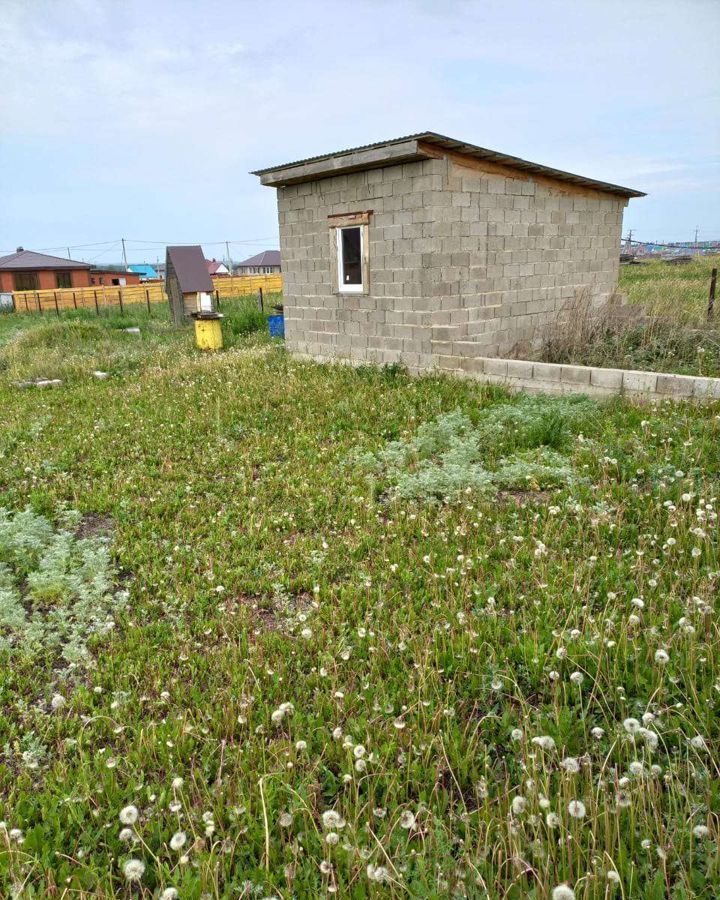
431, 252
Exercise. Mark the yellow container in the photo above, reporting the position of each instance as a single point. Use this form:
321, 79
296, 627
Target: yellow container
208, 333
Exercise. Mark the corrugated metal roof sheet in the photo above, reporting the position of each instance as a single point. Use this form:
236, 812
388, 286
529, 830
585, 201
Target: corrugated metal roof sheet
190, 268
447, 143
143, 269
266, 258
29, 259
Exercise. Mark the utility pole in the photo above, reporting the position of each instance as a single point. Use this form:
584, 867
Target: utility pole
227, 253
68, 250
125, 263
697, 249
628, 244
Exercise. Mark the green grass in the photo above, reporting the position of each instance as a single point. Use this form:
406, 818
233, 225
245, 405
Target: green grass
422, 645
673, 335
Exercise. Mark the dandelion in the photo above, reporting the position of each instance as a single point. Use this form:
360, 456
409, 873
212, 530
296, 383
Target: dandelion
597, 733
133, 869
169, 894
129, 815
552, 820
518, 805
407, 820
701, 831
571, 765
325, 867
332, 820
544, 741
359, 751
126, 835
285, 820
377, 873
577, 678
576, 808
57, 702
306, 634
698, 742
563, 892
662, 658
632, 726
613, 876
516, 734
177, 783
177, 841
332, 838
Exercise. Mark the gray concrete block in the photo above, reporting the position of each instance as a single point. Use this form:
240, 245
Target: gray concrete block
639, 382
611, 379
575, 374
675, 385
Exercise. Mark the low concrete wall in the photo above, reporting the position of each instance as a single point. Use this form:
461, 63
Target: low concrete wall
554, 378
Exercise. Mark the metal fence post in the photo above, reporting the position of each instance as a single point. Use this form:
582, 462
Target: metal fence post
57, 308
261, 304
122, 311
711, 299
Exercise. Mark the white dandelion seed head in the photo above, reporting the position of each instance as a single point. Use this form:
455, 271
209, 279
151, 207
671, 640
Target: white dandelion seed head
576, 808
636, 768
57, 702
178, 840
701, 831
285, 820
129, 815
332, 820
407, 820
169, 894
133, 869
662, 657
359, 751
563, 892
577, 678
126, 835
632, 726
571, 765
378, 874
544, 741
698, 742
177, 783
516, 734
552, 820
518, 805
597, 732
332, 838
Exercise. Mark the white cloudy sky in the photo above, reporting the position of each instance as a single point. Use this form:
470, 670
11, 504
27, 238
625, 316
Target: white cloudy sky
142, 118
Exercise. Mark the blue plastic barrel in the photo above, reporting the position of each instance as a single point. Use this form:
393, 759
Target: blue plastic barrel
276, 324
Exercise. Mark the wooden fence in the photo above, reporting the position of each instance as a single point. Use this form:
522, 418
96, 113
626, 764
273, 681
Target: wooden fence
104, 297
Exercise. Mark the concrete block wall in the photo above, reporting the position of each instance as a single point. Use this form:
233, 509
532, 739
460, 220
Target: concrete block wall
466, 260
555, 378
519, 249
391, 322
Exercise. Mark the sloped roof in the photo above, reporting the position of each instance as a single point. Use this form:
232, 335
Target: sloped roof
213, 265
408, 149
29, 259
143, 269
266, 258
190, 268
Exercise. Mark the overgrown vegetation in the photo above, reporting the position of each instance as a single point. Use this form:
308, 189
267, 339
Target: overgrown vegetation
669, 333
313, 690
56, 589
508, 447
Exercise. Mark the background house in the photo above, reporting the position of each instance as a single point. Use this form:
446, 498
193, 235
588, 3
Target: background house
26, 270
145, 271
216, 268
432, 252
265, 263
115, 276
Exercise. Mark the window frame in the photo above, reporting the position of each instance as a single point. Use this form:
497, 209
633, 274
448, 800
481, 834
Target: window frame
32, 277
63, 277
337, 224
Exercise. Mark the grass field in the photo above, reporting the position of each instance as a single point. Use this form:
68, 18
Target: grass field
317, 631
675, 335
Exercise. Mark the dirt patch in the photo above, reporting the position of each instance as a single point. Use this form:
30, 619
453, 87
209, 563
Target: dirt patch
95, 525
271, 614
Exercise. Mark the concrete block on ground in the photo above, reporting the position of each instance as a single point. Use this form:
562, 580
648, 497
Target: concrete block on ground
675, 385
575, 374
639, 382
611, 379
546, 371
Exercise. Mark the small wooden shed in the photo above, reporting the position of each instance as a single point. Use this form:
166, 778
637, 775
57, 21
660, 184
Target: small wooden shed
187, 282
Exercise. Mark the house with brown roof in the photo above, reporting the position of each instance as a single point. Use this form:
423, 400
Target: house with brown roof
265, 263
215, 267
433, 252
26, 270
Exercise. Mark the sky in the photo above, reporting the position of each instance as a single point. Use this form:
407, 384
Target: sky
143, 118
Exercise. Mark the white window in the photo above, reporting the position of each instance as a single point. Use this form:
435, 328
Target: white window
350, 259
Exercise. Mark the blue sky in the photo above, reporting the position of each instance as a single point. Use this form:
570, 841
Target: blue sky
143, 119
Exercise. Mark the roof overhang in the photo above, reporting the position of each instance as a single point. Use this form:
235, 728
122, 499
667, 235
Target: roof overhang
426, 145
